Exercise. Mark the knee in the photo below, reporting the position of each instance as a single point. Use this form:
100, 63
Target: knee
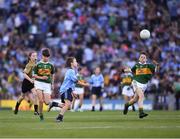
135, 100
68, 105
41, 100
35, 95
47, 102
141, 96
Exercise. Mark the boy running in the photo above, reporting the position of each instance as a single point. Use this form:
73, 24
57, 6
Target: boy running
127, 90
143, 72
67, 88
79, 91
44, 79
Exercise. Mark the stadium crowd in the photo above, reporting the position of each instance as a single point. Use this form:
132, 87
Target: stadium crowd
96, 32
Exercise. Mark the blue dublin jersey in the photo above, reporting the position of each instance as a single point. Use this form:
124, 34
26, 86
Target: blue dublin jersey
70, 81
97, 80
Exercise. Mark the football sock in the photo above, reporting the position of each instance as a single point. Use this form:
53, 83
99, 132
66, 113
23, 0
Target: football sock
101, 108
93, 108
17, 104
129, 104
140, 110
60, 116
55, 104
36, 108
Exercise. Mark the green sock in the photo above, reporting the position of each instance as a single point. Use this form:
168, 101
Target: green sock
140, 110
129, 104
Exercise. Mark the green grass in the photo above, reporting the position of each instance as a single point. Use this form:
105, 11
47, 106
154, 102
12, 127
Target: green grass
159, 124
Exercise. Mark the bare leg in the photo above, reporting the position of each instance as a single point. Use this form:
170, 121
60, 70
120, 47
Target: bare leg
133, 107
126, 98
131, 102
141, 97
22, 96
73, 103
134, 99
67, 105
93, 102
81, 98
41, 100
47, 98
35, 101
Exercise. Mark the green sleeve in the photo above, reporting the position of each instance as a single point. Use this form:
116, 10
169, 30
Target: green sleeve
133, 69
52, 69
152, 67
35, 69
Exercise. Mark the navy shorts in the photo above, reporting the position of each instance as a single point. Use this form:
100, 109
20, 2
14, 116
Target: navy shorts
67, 95
27, 86
97, 91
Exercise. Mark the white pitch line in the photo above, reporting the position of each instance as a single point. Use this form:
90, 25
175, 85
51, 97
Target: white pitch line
85, 116
107, 127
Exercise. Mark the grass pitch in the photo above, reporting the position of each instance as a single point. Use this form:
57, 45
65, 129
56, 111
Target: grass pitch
106, 124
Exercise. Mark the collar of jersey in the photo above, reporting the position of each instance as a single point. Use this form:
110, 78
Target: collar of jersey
142, 63
44, 62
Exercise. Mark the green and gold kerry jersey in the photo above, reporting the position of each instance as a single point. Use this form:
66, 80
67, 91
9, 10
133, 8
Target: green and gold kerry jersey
126, 79
143, 72
44, 69
80, 77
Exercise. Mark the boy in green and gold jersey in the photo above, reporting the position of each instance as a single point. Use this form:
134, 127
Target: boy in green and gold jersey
142, 73
127, 90
79, 91
44, 80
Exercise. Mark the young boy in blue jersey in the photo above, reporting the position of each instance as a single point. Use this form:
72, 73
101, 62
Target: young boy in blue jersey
67, 88
97, 83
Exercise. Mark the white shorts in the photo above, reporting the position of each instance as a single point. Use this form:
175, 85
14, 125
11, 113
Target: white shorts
45, 87
79, 90
127, 91
136, 85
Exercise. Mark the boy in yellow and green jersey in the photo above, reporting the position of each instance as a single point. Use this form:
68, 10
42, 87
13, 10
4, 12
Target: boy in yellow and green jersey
44, 80
79, 91
142, 74
127, 90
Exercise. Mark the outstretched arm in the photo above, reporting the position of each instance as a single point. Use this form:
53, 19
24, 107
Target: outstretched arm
156, 65
83, 83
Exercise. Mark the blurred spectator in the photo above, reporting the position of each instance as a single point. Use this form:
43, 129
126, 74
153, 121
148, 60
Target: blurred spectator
176, 88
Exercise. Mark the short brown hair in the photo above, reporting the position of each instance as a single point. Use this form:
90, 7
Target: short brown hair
46, 52
143, 53
69, 61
